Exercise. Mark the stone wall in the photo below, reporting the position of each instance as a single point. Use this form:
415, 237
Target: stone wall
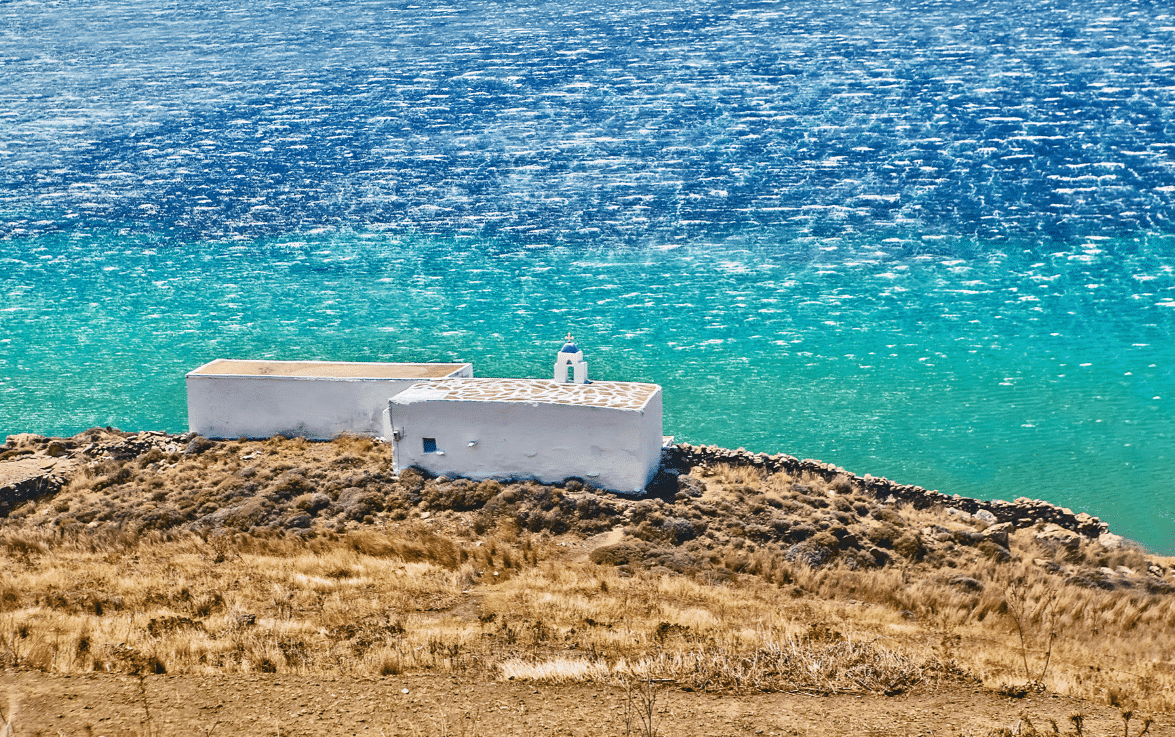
1022, 512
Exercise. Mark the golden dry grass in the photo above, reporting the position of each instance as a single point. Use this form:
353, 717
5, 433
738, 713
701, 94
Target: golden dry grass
420, 588
250, 605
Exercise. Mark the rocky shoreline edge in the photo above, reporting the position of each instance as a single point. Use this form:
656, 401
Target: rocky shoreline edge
1021, 512
101, 443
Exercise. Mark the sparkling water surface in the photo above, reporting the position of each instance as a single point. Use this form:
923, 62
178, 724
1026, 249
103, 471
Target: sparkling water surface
924, 240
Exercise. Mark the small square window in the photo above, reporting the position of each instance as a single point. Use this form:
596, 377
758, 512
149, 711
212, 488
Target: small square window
430, 445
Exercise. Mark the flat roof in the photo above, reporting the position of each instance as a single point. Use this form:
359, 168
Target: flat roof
613, 394
328, 369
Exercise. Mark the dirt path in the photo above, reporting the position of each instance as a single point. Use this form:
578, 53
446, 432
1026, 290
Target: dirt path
292, 706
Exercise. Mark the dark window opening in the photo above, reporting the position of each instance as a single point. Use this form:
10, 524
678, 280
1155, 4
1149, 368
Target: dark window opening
430, 445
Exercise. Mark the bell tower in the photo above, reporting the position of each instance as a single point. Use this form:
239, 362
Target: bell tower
570, 368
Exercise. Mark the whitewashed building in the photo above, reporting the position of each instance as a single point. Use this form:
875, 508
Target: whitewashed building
313, 399
443, 420
607, 433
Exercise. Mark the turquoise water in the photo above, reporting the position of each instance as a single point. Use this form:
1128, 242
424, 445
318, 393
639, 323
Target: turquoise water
1012, 372
923, 239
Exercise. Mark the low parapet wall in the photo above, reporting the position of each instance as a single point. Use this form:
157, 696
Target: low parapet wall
1022, 512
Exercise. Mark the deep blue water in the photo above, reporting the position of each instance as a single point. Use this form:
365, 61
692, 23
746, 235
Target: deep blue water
925, 240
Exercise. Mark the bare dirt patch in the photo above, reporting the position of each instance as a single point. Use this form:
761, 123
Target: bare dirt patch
291, 705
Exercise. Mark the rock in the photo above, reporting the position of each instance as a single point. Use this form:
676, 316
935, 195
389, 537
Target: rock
968, 537
953, 512
1053, 533
1046, 564
300, 521
1090, 580
313, 503
809, 553
995, 551
998, 534
25, 439
966, 583
1055, 538
985, 515
198, 445
1110, 541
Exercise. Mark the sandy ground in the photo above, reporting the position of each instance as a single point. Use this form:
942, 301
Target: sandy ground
284, 705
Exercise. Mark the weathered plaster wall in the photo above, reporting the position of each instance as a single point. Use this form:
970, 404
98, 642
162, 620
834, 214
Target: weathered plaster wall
617, 449
318, 408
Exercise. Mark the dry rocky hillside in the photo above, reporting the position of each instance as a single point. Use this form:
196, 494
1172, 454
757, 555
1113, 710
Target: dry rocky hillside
162, 562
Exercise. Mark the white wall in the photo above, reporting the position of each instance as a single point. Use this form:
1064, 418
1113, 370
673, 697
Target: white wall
617, 449
319, 408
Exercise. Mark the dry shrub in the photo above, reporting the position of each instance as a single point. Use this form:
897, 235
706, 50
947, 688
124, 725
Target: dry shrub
910, 545
423, 546
23, 546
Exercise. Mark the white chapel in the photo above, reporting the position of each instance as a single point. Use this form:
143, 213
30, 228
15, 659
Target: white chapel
443, 420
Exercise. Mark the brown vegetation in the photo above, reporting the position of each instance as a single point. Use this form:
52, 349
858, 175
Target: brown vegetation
284, 556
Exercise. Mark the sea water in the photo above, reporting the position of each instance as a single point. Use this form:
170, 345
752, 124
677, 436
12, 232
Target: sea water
930, 241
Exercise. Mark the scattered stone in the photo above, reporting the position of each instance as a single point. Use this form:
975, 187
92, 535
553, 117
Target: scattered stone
966, 583
968, 537
1046, 564
809, 553
24, 439
996, 552
1053, 533
1110, 541
998, 534
1091, 580
300, 521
